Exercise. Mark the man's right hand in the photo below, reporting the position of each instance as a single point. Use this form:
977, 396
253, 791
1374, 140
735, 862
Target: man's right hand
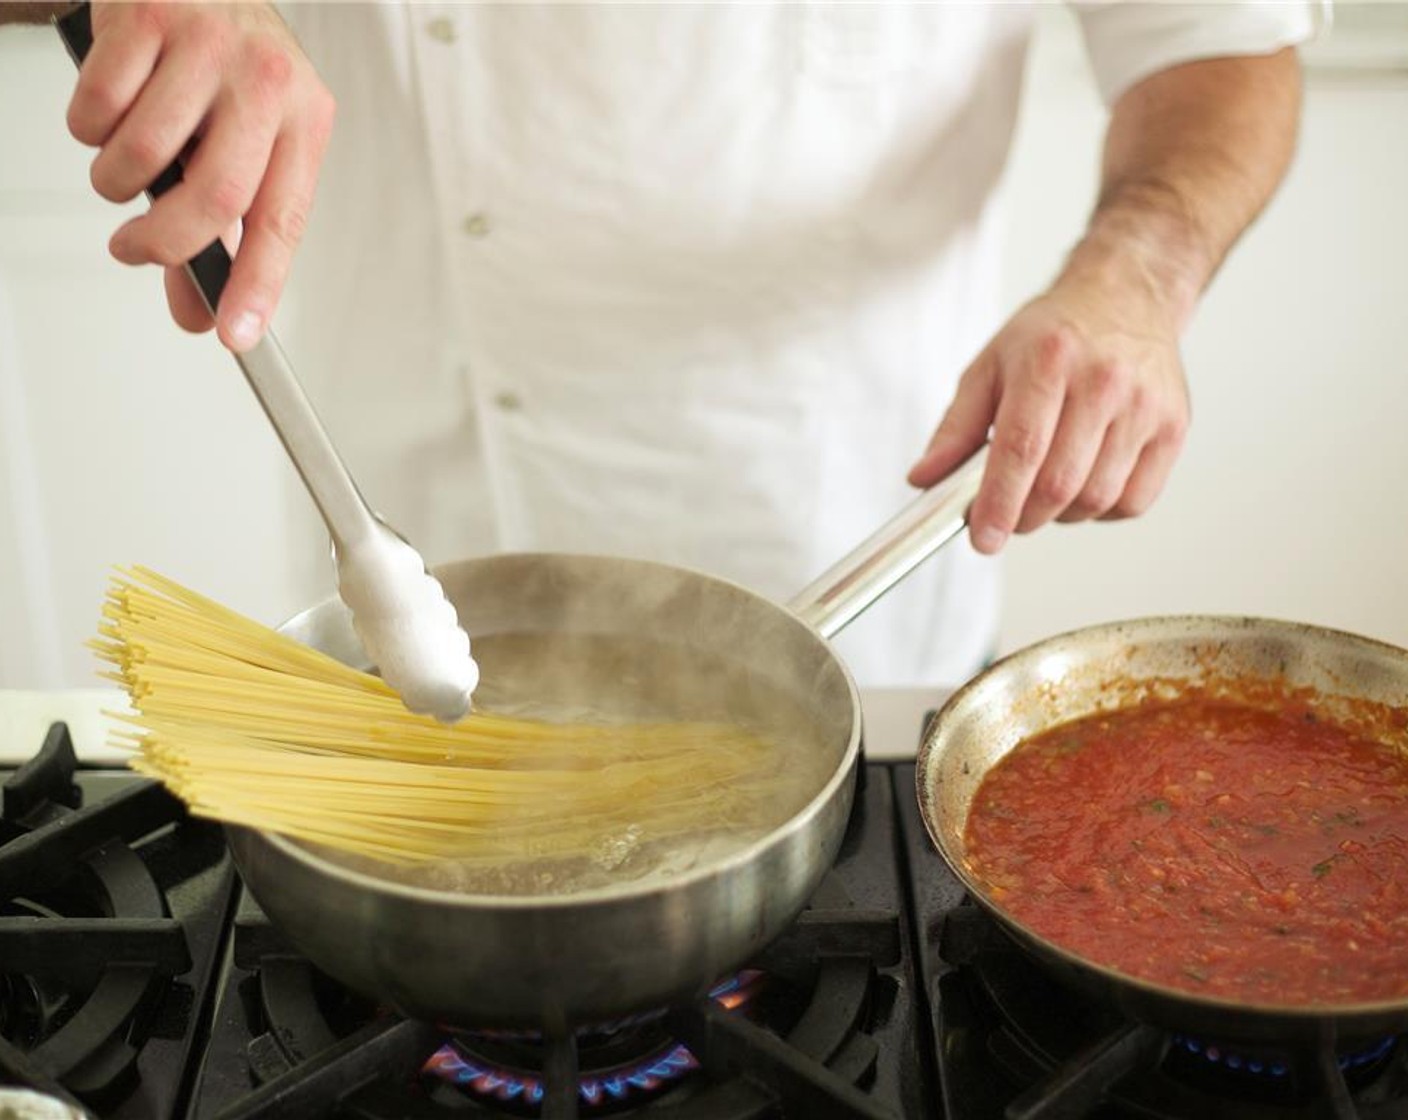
227, 88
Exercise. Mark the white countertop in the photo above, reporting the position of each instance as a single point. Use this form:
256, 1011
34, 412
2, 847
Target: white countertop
895, 717
893, 720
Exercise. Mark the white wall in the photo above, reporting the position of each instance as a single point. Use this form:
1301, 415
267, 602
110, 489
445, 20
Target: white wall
122, 440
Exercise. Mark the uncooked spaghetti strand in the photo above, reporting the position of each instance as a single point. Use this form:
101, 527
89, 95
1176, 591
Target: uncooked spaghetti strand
240, 778
558, 833
744, 747
282, 701
464, 841
484, 728
260, 642
252, 728
330, 792
415, 838
503, 749
176, 754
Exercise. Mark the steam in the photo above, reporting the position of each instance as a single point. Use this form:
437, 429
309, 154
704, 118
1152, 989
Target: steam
752, 654
606, 640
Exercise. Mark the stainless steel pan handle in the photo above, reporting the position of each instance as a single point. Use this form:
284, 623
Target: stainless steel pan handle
832, 600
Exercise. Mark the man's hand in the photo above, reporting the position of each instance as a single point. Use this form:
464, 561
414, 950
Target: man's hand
227, 88
1083, 389
1085, 393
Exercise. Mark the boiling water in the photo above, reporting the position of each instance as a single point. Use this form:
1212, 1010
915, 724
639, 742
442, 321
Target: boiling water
611, 679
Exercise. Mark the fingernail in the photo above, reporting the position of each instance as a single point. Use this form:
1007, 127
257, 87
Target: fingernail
989, 540
245, 330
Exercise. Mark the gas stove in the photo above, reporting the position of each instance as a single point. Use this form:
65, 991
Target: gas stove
137, 980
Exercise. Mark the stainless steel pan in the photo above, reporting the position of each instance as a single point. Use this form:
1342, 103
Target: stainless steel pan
1076, 674
555, 962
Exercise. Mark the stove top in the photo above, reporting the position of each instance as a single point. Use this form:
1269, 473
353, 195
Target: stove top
137, 980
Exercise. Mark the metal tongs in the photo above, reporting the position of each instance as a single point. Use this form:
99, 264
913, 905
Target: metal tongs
439, 684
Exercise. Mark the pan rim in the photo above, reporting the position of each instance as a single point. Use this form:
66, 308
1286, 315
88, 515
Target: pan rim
626, 892
924, 767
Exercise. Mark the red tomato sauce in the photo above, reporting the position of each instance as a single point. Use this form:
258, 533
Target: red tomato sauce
1254, 856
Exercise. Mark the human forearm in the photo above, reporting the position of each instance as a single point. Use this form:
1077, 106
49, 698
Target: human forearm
1191, 156
11, 12
1083, 389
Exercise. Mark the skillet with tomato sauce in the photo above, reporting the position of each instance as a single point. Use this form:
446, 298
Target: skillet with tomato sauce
1249, 855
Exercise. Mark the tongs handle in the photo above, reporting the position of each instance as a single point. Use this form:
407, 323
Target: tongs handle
210, 268
265, 366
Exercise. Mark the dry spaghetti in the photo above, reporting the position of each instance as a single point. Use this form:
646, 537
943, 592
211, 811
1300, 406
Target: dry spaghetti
250, 727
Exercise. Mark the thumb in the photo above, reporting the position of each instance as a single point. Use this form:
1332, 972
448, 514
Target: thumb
964, 426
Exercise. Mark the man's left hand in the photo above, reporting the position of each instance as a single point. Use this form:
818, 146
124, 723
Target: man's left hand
1084, 393
1083, 389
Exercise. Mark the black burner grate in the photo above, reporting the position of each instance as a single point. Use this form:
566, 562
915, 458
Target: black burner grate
98, 983
306, 1069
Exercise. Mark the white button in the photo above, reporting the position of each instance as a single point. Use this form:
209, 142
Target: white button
441, 29
475, 225
509, 402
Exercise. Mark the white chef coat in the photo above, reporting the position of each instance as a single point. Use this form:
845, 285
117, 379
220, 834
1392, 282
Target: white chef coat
686, 282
